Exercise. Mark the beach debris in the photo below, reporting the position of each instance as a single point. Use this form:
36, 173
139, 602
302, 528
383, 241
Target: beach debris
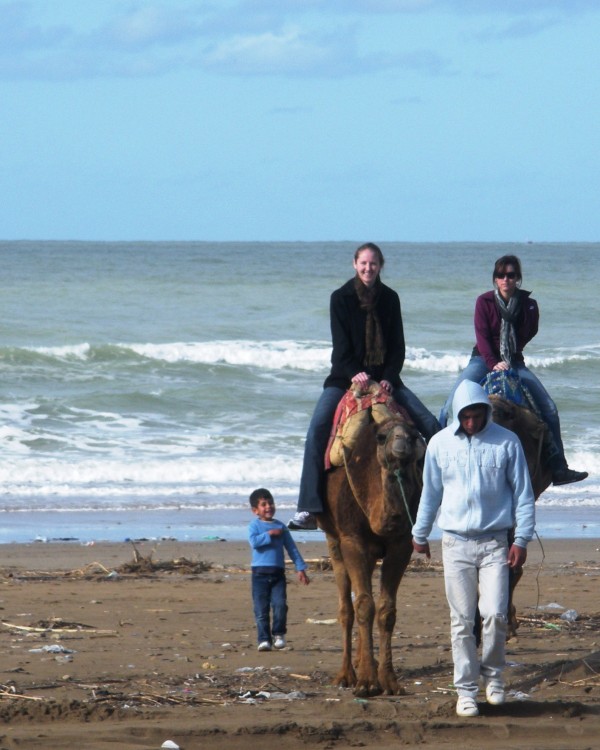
241, 670
9, 691
518, 695
552, 605
170, 745
331, 621
52, 648
252, 696
570, 615
322, 563
56, 625
146, 565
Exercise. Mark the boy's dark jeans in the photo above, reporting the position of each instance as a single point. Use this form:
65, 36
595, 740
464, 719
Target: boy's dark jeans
269, 592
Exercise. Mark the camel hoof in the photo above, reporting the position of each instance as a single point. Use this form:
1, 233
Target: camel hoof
367, 691
345, 680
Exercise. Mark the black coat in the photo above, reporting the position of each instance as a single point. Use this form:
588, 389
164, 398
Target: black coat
348, 332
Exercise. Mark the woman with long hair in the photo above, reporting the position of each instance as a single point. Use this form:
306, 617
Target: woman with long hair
368, 344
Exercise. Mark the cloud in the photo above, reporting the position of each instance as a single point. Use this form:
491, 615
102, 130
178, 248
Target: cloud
517, 29
294, 51
460, 7
18, 34
288, 51
150, 25
317, 38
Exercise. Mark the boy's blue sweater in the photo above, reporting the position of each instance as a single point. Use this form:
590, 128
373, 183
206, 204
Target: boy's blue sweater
267, 550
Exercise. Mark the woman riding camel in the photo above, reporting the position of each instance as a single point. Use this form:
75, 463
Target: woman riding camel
506, 319
368, 344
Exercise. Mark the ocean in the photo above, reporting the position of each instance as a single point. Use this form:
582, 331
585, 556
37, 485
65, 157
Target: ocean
147, 388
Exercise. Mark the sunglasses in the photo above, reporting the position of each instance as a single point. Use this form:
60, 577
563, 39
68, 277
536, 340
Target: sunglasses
507, 275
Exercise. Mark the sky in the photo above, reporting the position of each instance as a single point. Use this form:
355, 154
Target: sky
300, 120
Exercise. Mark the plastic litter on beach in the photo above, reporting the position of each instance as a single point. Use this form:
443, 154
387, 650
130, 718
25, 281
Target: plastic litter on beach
518, 695
332, 621
570, 615
54, 648
251, 696
170, 745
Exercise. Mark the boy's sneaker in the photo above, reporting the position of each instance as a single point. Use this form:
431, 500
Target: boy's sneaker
302, 521
279, 641
466, 706
494, 694
264, 646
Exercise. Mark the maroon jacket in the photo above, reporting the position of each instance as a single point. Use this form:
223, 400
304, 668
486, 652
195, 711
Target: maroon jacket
487, 327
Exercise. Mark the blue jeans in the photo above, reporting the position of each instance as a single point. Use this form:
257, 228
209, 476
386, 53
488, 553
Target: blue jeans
312, 481
269, 592
476, 574
476, 371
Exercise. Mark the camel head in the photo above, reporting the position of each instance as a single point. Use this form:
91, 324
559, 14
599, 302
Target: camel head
399, 445
399, 448
504, 412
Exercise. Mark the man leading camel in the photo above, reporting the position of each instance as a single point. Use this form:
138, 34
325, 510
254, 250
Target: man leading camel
476, 471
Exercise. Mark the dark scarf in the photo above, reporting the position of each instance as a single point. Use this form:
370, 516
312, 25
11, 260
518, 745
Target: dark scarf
374, 342
510, 317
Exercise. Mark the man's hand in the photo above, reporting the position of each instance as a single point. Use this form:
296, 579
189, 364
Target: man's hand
516, 556
422, 549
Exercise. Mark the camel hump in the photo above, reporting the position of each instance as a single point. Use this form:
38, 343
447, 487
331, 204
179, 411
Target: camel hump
358, 408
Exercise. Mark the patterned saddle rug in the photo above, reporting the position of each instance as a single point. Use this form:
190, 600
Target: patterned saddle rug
356, 409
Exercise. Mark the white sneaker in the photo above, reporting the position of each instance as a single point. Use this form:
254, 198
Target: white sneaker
302, 521
466, 706
264, 646
494, 694
279, 641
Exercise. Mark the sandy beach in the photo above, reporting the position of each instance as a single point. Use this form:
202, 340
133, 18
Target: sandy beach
102, 653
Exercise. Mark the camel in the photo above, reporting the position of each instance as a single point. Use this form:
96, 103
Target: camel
533, 434
371, 503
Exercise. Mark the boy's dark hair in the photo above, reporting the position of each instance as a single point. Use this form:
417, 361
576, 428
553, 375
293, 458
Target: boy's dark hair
258, 494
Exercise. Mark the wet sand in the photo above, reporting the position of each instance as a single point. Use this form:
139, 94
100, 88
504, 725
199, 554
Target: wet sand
98, 654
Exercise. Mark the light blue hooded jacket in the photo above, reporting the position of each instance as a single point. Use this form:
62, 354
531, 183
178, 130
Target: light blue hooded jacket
480, 484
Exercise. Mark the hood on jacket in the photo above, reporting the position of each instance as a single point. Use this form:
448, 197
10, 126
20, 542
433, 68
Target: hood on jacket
469, 393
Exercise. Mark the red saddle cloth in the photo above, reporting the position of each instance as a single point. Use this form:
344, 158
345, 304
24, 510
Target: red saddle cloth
355, 401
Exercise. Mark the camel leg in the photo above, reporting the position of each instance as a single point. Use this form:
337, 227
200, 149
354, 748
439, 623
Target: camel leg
359, 565
392, 569
346, 677
514, 576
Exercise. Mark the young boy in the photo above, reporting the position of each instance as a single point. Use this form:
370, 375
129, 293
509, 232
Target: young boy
268, 537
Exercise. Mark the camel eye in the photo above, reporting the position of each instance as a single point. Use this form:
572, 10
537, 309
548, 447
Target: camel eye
381, 438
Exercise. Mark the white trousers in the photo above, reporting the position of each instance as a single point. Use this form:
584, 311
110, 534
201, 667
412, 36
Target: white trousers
476, 573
